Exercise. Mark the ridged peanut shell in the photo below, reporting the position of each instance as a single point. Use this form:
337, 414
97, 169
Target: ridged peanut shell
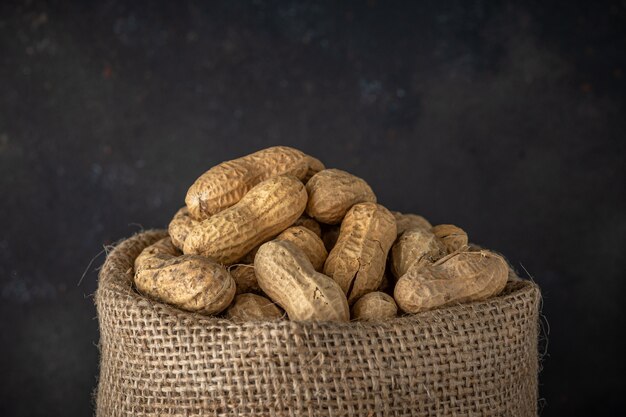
180, 226
308, 242
287, 276
357, 261
405, 221
190, 282
332, 192
225, 184
374, 306
459, 277
453, 237
414, 246
252, 307
267, 209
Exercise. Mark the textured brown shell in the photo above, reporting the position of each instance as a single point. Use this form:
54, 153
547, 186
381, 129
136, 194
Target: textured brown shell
357, 262
252, 307
459, 277
308, 242
315, 166
374, 306
405, 221
180, 226
245, 278
267, 209
310, 224
287, 276
332, 192
453, 237
190, 282
225, 184
414, 246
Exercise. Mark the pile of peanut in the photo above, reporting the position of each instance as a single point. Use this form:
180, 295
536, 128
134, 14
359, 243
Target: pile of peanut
276, 232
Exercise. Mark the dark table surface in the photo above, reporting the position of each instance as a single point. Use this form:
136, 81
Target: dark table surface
507, 120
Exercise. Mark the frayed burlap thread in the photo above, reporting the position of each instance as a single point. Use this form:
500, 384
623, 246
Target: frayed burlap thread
477, 359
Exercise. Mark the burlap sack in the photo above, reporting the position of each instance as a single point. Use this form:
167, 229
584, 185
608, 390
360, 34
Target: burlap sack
475, 359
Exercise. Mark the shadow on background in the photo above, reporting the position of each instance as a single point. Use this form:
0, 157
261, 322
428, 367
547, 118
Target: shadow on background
507, 121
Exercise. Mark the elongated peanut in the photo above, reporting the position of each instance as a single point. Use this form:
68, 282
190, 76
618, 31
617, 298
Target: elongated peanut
225, 184
310, 224
414, 246
332, 192
457, 278
180, 226
267, 209
374, 306
252, 307
357, 261
190, 282
245, 278
453, 237
287, 276
308, 242
405, 221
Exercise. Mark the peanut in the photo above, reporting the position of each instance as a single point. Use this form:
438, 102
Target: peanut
179, 227
454, 238
414, 246
252, 307
310, 224
457, 278
357, 261
374, 306
268, 209
287, 276
225, 184
245, 278
315, 166
307, 242
190, 282
332, 192
410, 221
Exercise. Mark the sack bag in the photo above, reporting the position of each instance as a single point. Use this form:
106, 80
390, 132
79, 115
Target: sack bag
476, 359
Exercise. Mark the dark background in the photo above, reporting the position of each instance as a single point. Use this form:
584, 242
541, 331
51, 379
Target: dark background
506, 120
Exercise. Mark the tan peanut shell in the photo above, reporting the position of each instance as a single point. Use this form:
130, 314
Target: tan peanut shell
453, 237
179, 227
267, 209
287, 276
310, 224
315, 166
190, 282
414, 246
332, 192
245, 278
457, 278
225, 184
308, 242
357, 261
374, 306
252, 307
405, 221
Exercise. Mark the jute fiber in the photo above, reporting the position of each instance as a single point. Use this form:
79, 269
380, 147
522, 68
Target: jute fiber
477, 359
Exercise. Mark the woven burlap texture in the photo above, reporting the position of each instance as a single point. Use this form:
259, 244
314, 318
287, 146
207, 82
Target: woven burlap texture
477, 359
